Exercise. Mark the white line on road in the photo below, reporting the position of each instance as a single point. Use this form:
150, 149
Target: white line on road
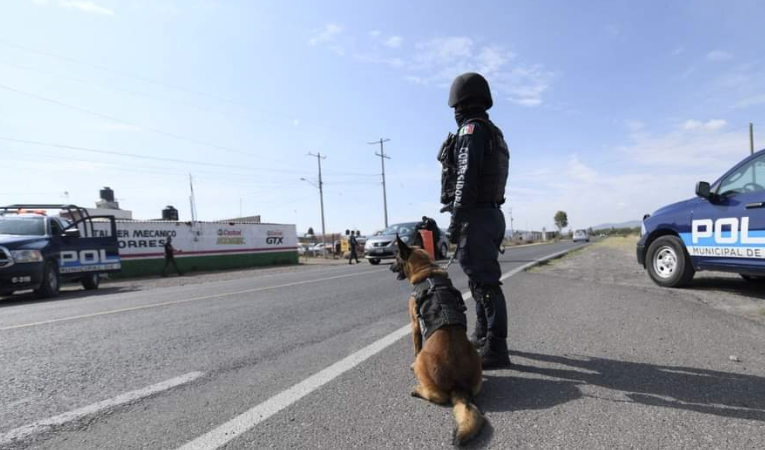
187, 300
226, 432
128, 397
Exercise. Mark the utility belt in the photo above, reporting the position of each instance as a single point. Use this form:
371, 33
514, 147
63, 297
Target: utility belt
488, 205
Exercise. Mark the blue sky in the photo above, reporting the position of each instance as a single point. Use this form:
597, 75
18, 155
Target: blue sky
610, 108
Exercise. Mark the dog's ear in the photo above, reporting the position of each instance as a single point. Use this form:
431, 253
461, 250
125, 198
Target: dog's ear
403, 250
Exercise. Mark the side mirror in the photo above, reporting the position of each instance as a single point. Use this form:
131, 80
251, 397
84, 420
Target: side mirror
72, 233
703, 190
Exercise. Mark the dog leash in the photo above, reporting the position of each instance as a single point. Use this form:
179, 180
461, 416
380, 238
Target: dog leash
451, 260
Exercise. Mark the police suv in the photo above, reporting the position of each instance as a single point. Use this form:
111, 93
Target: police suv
39, 252
722, 228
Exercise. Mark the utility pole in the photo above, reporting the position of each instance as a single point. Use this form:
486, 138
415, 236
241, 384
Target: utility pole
321, 200
751, 138
192, 200
383, 157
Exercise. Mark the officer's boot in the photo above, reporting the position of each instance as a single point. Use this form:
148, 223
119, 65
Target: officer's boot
478, 338
494, 353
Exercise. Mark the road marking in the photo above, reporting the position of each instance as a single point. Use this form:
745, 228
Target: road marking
76, 414
535, 262
235, 427
177, 302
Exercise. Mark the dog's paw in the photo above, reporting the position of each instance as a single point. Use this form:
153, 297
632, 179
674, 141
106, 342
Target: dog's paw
414, 393
411, 367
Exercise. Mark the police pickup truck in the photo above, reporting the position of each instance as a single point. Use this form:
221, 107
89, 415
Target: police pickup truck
722, 228
39, 252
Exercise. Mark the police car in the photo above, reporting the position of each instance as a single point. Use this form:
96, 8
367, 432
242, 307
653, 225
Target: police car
39, 252
722, 228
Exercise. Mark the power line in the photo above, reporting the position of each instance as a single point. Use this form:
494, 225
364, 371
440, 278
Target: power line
220, 178
133, 124
133, 155
160, 83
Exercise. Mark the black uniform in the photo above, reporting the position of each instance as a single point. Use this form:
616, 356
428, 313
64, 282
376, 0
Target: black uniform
475, 168
352, 242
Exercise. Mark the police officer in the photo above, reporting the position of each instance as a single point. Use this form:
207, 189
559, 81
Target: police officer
170, 257
352, 242
475, 166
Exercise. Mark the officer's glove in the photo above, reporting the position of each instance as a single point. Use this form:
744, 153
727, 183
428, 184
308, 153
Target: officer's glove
456, 229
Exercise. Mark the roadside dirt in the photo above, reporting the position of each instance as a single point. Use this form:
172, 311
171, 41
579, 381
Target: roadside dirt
613, 261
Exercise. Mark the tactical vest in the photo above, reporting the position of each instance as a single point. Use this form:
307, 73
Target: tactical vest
438, 304
493, 177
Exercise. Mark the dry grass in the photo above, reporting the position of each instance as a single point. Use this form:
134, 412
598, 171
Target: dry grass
620, 242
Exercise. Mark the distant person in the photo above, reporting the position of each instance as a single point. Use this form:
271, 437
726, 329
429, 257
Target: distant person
170, 257
353, 243
430, 225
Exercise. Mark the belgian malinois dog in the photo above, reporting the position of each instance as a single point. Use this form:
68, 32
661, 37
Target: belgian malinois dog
447, 366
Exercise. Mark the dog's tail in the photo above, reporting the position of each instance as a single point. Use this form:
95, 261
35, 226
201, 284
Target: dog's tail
468, 417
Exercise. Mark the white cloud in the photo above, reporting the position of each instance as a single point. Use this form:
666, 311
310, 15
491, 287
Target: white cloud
88, 7
580, 171
678, 50
296, 122
711, 125
719, 56
634, 125
325, 34
123, 127
613, 30
394, 42
378, 59
687, 73
751, 101
437, 61
449, 50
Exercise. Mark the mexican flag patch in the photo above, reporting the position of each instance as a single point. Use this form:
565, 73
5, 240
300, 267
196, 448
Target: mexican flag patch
467, 129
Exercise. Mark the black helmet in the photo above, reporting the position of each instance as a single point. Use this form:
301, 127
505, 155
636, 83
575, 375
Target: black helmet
470, 86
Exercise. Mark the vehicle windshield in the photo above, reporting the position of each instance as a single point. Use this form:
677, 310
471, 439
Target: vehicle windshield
402, 229
22, 226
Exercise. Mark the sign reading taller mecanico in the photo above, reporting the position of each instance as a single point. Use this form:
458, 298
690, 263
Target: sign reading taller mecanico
204, 245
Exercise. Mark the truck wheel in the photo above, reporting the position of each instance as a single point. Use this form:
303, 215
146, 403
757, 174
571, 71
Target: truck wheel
50, 282
753, 278
374, 261
668, 263
91, 282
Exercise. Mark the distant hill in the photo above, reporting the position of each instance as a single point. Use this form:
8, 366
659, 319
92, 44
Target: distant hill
629, 224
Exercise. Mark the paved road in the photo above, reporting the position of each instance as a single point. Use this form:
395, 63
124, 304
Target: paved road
160, 368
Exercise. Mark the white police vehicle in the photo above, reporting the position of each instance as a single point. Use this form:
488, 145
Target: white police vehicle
39, 252
722, 228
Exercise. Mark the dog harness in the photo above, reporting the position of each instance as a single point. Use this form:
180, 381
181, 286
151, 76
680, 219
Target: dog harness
438, 304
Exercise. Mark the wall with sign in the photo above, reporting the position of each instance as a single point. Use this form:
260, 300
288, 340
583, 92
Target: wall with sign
203, 245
